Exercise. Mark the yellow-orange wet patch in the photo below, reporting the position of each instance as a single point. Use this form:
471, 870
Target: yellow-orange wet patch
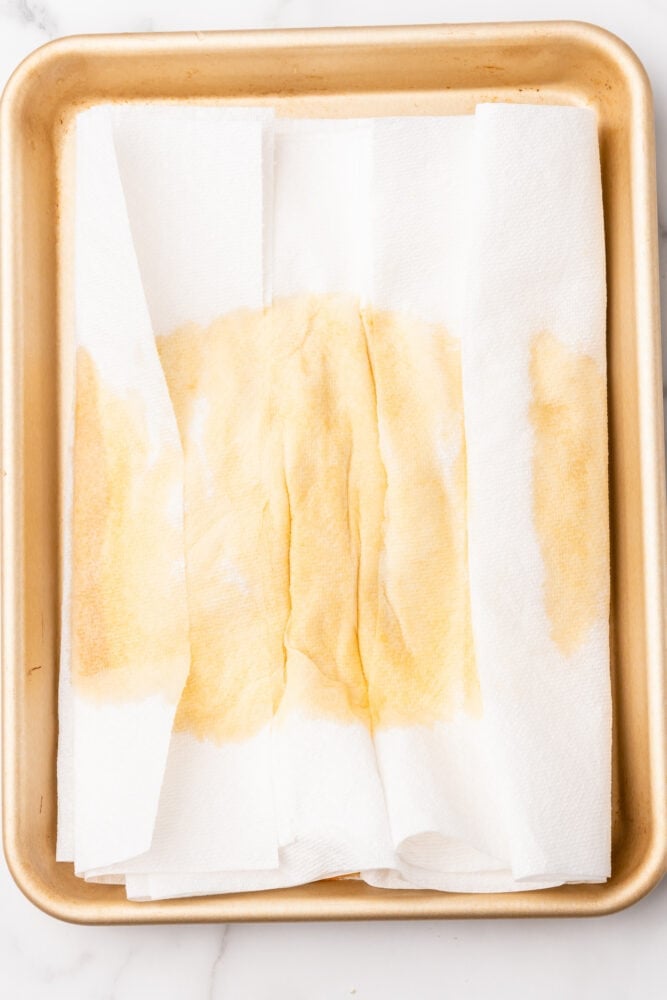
325, 522
129, 605
325, 469
236, 523
568, 416
420, 655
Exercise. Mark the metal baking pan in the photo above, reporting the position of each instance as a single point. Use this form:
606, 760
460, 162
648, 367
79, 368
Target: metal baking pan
339, 72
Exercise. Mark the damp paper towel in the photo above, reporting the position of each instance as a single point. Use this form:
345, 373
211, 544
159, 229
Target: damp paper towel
335, 589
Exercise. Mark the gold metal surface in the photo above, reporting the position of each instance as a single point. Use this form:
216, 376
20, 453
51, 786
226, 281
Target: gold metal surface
335, 72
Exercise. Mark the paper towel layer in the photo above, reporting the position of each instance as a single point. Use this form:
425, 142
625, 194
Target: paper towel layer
200, 256
212, 253
329, 799
126, 493
436, 776
414, 595
536, 272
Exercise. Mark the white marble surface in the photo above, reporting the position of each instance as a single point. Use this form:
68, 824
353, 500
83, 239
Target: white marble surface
613, 957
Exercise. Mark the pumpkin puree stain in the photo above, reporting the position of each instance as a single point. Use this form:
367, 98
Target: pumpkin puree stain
325, 518
421, 657
568, 416
129, 606
236, 523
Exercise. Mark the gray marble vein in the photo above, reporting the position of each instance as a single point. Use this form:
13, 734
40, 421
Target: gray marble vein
38, 14
215, 967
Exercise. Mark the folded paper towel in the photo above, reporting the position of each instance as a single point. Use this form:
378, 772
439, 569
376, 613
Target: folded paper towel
336, 561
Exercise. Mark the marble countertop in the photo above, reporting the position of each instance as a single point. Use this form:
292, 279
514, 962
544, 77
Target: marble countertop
612, 957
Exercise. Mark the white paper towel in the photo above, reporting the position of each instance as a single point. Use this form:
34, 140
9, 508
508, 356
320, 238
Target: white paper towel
465, 255
536, 297
329, 803
202, 258
113, 751
439, 778
329, 799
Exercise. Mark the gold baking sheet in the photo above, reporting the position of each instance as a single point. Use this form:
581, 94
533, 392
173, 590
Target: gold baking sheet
439, 69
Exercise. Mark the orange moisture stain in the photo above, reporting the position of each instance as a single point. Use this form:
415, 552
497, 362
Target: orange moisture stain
333, 478
323, 469
419, 652
325, 518
236, 523
129, 606
570, 494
